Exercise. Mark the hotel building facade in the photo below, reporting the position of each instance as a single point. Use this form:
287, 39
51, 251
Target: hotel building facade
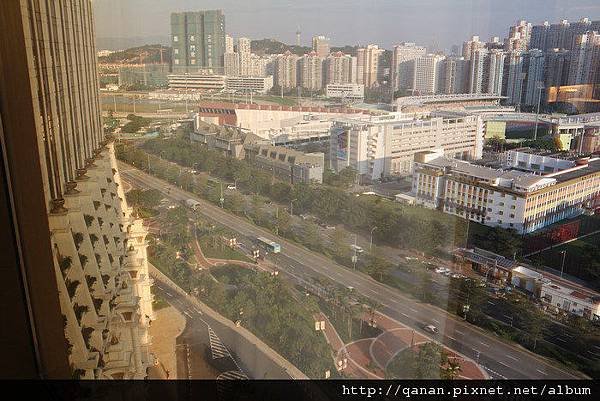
79, 294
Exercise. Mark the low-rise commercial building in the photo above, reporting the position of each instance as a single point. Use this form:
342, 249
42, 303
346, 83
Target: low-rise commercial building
197, 81
379, 146
287, 164
345, 91
249, 84
505, 198
572, 300
227, 139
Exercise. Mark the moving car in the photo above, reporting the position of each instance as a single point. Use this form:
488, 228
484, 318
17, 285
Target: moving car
431, 329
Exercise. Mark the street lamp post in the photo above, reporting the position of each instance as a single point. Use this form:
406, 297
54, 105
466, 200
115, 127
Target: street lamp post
562, 264
355, 256
539, 87
371, 241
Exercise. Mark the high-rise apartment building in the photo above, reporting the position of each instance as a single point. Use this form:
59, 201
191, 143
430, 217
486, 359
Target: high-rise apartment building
539, 36
470, 46
557, 67
534, 84
258, 66
518, 37
368, 61
198, 41
244, 52
557, 34
513, 77
584, 67
479, 58
495, 72
312, 71
75, 283
340, 68
428, 74
561, 35
232, 64
320, 45
456, 75
228, 44
286, 71
402, 68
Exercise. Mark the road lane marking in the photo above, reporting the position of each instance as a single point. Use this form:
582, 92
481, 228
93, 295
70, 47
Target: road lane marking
462, 333
511, 357
169, 294
414, 310
404, 314
484, 344
188, 314
544, 373
319, 271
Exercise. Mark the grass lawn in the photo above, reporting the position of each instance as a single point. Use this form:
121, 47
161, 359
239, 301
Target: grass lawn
220, 251
285, 101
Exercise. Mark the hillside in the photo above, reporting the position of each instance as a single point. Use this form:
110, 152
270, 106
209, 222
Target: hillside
149, 54
272, 46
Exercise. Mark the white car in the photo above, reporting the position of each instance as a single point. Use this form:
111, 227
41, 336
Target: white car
431, 328
357, 248
233, 187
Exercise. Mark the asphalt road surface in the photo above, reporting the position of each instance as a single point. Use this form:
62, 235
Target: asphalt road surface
500, 359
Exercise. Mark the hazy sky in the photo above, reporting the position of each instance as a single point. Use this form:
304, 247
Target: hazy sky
384, 22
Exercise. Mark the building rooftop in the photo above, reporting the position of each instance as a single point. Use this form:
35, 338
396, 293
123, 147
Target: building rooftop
483, 257
593, 166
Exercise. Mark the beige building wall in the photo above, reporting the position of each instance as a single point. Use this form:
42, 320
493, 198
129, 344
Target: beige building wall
98, 247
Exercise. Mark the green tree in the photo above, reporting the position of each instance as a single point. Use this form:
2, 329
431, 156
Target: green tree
378, 268
430, 358
535, 324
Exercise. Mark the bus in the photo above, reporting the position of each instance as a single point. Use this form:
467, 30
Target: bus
269, 245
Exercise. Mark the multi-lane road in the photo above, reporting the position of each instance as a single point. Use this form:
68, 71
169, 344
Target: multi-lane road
499, 358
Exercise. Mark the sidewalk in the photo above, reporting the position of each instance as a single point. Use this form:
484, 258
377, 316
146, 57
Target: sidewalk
167, 326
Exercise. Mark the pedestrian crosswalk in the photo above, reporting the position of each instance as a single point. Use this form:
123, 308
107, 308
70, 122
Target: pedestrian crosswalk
232, 375
217, 349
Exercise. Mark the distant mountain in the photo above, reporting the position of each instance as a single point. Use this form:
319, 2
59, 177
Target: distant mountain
272, 46
148, 54
120, 43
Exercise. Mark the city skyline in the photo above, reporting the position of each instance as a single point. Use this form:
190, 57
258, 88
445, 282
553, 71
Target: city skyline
454, 21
